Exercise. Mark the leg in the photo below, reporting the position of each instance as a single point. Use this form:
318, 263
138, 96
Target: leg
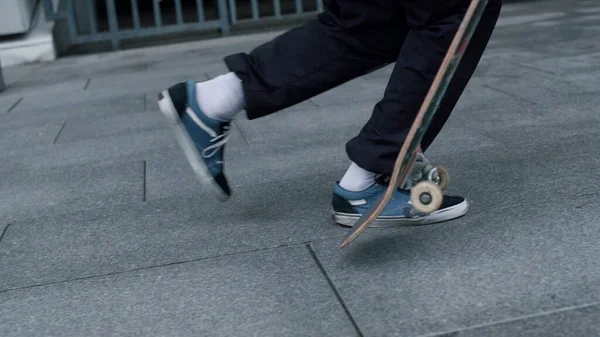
432, 30
349, 40
433, 25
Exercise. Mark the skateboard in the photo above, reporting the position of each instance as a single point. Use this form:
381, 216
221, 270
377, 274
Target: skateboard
426, 196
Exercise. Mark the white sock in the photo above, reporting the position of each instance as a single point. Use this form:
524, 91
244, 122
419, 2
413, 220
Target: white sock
357, 179
222, 97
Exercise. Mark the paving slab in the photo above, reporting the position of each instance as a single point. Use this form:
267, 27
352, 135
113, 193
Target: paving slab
118, 148
182, 225
336, 125
477, 270
7, 104
571, 64
131, 123
268, 174
504, 177
28, 192
36, 109
582, 321
153, 81
535, 123
354, 91
3, 228
268, 293
48, 87
43, 134
93, 69
549, 89
485, 103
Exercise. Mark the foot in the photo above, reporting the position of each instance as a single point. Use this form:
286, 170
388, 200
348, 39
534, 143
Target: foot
201, 138
349, 206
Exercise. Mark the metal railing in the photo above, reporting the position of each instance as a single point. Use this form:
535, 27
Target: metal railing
89, 21
276, 11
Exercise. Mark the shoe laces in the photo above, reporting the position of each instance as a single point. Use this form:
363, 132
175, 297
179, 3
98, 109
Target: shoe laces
219, 141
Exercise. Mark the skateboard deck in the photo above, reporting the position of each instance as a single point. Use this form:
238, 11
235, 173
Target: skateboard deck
428, 109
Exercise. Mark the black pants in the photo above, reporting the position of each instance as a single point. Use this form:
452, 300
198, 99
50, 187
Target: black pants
352, 38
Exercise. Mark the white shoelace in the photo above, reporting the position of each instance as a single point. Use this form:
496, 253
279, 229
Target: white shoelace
219, 142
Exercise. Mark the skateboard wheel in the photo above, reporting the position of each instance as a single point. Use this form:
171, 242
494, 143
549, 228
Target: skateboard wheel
444, 177
426, 197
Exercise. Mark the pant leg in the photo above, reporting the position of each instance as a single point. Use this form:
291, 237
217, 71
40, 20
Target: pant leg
433, 26
350, 39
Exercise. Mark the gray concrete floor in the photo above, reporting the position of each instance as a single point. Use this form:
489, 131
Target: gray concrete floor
104, 230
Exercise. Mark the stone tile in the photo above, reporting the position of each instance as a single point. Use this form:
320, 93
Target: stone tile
381, 74
140, 146
275, 172
484, 103
310, 125
535, 123
151, 81
7, 104
336, 125
15, 74
27, 192
527, 19
93, 69
51, 87
267, 293
124, 124
568, 65
355, 91
44, 134
574, 322
182, 223
477, 270
44, 109
144, 144
192, 59
505, 177
3, 227
549, 89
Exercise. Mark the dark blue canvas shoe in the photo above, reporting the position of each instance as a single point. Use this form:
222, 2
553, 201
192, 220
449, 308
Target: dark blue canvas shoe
349, 206
202, 139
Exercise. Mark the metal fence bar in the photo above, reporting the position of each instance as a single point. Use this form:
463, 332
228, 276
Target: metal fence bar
178, 12
277, 7
157, 13
255, 10
200, 9
150, 31
91, 7
71, 15
226, 17
299, 9
113, 24
232, 11
136, 14
51, 15
224, 23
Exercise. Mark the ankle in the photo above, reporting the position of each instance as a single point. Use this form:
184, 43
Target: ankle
222, 97
357, 179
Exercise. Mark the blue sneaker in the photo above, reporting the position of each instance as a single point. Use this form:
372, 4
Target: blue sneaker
349, 206
201, 138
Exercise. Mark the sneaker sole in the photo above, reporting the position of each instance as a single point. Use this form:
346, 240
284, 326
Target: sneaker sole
450, 213
190, 151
